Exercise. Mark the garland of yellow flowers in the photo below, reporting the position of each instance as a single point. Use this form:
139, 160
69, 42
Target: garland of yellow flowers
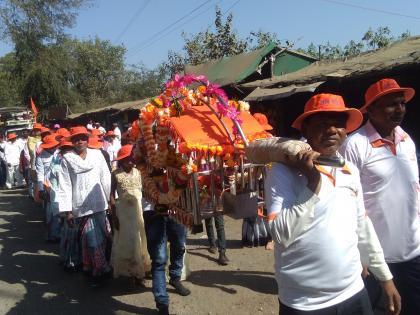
172, 102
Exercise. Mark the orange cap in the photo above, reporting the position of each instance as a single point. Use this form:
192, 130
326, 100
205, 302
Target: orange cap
11, 136
78, 130
329, 103
49, 142
263, 121
37, 126
124, 152
45, 129
63, 132
384, 87
65, 143
95, 143
96, 132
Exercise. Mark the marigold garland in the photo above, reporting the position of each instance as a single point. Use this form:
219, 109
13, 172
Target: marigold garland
189, 157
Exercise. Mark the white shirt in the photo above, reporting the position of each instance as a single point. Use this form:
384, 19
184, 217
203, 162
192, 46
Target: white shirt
12, 152
84, 184
318, 238
117, 133
42, 167
22, 142
112, 149
37, 151
390, 181
102, 130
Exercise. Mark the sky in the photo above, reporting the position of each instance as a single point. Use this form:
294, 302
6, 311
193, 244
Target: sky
148, 29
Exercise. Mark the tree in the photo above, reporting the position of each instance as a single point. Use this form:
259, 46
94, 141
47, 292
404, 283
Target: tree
140, 82
9, 86
353, 48
97, 71
32, 26
46, 80
371, 40
379, 38
221, 41
262, 39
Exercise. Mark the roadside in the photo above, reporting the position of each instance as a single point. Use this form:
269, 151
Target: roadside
32, 282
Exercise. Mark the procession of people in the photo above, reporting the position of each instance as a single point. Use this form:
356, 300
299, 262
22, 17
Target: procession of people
334, 228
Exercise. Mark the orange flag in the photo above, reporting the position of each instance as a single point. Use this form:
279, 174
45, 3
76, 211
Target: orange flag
33, 107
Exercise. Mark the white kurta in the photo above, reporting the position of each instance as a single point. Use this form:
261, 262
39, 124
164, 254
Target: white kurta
117, 133
42, 167
85, 184
12, 152
112, 149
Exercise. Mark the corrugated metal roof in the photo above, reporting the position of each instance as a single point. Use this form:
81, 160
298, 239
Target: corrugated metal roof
401, 53
261, 94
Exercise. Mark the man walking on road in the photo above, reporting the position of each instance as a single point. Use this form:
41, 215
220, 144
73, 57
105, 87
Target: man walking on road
386, 158
318, 222
83, 196
12, 150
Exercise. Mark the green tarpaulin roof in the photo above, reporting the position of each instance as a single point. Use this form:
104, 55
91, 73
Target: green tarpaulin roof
229, 70
399, 54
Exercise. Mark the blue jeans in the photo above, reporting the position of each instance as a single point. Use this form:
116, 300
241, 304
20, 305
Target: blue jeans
160, 230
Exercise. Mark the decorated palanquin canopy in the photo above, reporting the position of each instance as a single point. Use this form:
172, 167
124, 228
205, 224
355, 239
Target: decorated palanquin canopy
190, 134
199, 125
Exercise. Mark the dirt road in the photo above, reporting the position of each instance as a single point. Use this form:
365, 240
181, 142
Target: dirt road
32, 282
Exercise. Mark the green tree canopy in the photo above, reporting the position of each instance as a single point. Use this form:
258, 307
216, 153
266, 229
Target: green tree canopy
214, 43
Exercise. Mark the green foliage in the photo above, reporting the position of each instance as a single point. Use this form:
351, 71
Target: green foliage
371, 40
220, 41
210, 45
97, 71
36, 28
9, 86
262, 39
141, 83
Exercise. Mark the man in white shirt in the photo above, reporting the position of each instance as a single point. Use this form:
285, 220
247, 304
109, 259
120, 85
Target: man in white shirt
114, 145
386, 158
318, 222
117, 131
83, 195
100, 128
12, 150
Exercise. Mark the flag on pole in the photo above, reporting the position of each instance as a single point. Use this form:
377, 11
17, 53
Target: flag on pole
33, 108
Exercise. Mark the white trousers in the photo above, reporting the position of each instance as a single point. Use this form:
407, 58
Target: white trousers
13, 175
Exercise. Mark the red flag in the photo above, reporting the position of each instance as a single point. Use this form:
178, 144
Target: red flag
33, 107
